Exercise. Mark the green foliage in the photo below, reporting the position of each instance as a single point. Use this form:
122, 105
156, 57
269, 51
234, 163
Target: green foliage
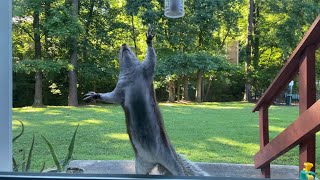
184, 46
29, 160
20, 134
15, 164
54, 156
227, 85
62, 25
206, 62
280, 25
178, 63
70, 149
62, 166
47, 66
183, 63
25, 164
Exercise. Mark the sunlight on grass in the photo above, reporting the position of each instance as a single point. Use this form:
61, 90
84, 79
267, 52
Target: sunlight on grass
273, 119
119, 136
16, 122
92, 121
208, 105
247, 148
197, 154
87, 122
56, 122
53, 112
276, 129
17, 125
215, 107
168, 104
30, 109
100, 110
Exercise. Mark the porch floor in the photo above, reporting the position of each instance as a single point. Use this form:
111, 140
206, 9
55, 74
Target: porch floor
214, 169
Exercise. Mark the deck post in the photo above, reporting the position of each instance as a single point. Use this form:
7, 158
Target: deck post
5, 85
264, 136
307, 92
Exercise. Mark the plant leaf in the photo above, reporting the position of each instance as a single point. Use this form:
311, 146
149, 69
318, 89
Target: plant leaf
30, 155
18, 165
43, 166
15, 165
23, 164
70, 149
54, 156
22, 130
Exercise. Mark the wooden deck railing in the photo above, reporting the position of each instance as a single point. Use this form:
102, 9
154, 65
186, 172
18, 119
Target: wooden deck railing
302, 131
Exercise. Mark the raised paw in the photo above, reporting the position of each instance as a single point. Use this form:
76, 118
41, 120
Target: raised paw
91, 96
150, 34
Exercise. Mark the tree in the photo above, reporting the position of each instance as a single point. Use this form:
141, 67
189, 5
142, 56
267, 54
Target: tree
47, 34
30, 11
183, 65
277, 28
37, 54
248, 51
203, 63
73, 80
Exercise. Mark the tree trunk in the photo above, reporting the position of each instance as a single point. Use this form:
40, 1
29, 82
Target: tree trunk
185, 88
208, 89
87, 27
47, 42
202, 89
256, 43
134, 38
37, 102
171, 91
37, 44
199, 86
73, 91
178, 91
248, 52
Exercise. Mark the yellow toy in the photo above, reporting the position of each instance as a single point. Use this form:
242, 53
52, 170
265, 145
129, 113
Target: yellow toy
306, 174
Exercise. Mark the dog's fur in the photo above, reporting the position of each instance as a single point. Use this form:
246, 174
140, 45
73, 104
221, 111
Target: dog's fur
135, 92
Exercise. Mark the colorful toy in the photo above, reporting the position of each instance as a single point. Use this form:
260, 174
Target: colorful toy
306, 174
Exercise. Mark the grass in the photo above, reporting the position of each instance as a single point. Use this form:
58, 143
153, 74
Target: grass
208, 132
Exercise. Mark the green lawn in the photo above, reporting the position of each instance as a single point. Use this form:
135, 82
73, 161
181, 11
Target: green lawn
207, 132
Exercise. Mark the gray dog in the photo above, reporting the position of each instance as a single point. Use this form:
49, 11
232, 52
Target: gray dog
135, 92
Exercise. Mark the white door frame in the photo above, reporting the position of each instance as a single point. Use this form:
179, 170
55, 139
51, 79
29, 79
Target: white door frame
5, 85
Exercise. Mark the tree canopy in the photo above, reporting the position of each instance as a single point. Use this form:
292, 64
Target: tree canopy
192, 54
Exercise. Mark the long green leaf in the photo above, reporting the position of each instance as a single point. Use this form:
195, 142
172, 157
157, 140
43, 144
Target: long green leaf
22, 130
30, 155
23, 164
18, 165
43, 166
54, 156
70, 149
15, 165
